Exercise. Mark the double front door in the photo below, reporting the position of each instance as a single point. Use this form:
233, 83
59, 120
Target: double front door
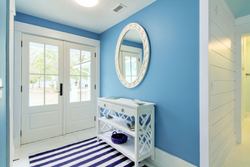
58, 93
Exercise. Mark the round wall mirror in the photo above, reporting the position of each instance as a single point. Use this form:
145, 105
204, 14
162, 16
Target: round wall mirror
132, 55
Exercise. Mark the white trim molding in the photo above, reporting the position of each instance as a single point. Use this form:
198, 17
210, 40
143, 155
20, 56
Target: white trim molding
238, 89
46, 32
163, 159
204, 83
12, 13
17, 92
242, 26
242, 20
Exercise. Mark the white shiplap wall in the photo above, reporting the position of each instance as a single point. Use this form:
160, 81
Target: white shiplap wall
222, 78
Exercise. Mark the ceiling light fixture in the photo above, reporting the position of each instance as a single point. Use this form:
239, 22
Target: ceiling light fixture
87, 3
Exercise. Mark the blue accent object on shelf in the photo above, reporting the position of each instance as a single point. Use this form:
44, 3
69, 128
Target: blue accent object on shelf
119, 138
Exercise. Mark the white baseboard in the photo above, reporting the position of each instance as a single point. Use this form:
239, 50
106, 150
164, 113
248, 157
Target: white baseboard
163, 159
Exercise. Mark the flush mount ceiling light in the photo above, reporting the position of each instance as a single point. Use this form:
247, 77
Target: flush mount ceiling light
87, 3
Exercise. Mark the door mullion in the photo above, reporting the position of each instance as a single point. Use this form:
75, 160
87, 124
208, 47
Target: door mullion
80, 82
64, 75
44, 79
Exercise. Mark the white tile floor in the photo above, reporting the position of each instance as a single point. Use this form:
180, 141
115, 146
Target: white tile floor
240, 156
22, 154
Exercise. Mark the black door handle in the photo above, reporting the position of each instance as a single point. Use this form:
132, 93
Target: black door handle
61, 89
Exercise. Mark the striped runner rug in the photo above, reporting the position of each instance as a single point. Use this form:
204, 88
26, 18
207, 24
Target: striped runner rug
87, 153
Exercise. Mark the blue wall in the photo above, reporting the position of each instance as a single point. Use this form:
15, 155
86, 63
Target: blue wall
3, 101
172, 80
55, 26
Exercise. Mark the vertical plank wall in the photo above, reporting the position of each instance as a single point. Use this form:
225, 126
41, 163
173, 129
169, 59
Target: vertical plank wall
222, 91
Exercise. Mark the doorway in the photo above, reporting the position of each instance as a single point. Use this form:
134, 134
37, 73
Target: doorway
58, 79
245, 77
241, 150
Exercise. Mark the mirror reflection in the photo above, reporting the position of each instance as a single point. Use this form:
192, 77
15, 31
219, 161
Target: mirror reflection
131, 55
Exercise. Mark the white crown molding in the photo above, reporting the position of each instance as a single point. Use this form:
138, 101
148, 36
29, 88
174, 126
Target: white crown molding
163, 159
146, 55
242, 20
46, 32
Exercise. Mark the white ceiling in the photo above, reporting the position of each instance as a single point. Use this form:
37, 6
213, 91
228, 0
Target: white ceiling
95, 19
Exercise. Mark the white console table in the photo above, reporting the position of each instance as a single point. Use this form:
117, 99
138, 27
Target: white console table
140, 143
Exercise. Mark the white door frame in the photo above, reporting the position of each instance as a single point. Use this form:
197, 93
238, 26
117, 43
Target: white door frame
10, 147
49, 33
204, 83
242, 29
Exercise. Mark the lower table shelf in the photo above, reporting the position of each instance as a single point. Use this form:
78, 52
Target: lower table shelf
128, 148
119, 123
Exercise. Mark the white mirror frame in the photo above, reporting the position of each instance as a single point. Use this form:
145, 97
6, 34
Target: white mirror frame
146, 49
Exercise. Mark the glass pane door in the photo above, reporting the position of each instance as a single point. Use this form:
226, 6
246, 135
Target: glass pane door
42, 73
79, 80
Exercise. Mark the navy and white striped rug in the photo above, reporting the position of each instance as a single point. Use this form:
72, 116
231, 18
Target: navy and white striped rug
87, 153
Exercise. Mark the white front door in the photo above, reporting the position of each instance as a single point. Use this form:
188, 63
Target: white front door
79, 87
42, 74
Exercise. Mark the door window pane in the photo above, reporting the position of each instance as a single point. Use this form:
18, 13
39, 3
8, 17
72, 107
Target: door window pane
86, 55
85, 68
75, 89
36, 90
51, 57
36, 58
85, 62
75, 64
80, 71
85, 88
51, 89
